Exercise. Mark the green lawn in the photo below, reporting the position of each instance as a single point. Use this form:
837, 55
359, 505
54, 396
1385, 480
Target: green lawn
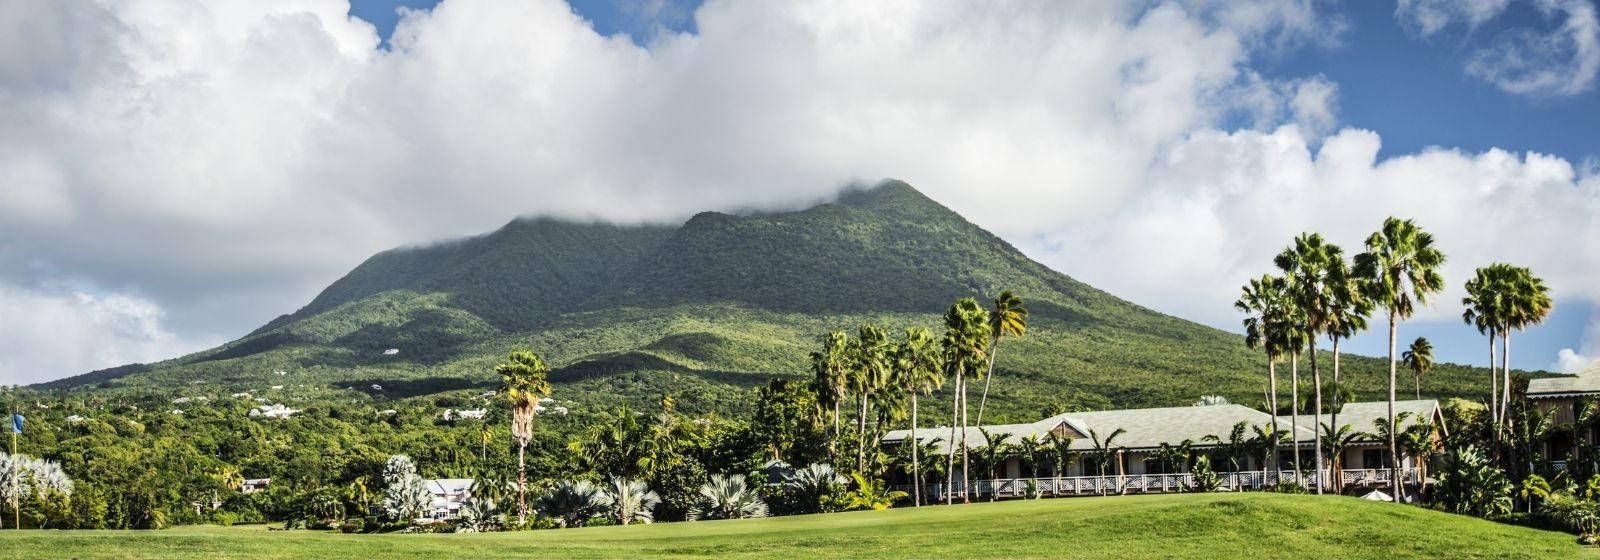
1255, 525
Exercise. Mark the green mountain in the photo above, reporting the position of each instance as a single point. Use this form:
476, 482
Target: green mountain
705, 311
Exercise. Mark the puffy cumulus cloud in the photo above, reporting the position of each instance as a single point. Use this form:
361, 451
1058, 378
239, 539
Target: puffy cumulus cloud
53, 330
1218, 205
1570, 360
228, 159
1559, 61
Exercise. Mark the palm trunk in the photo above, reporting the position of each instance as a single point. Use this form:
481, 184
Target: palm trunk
994, 352
965, 455
1505, 376
1494, 384
1316, 413
1272, 402
916, 444
1333, 419
1394, 447
950, 466
861, 437
522, 482
833, 442
1294, 412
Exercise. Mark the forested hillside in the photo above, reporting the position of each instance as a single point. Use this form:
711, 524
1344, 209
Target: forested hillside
706, 311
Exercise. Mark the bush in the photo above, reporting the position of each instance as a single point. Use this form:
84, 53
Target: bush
352, 525
1574, 515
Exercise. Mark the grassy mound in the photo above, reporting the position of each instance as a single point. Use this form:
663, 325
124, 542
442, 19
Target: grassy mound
1255, 525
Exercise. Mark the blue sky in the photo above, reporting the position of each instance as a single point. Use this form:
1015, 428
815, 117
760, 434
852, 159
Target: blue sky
171, 178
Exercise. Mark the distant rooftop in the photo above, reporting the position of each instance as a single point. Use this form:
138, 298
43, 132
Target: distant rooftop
1585, 382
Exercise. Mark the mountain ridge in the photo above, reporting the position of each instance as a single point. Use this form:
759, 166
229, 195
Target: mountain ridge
711, 308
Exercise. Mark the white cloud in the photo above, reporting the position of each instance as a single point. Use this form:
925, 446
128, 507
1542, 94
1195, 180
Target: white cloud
1570, 360
50, 331
1560, 61
229, 159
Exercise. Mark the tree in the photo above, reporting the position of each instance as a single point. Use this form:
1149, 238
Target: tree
1485, 309
523, 382
1347, 315
1334, 443
1009, 318
920, 367
993, 455
1104, 448
789, 429
1399, 270
870, 494
1470, 484
964, 344
828, 370
1031, 449
1315, 272
727, 497
572, 503
1234, 446
629, 501
1419, 359
868, 373
815, 488
1528, 303
1061, 453
405, 495
1264, 300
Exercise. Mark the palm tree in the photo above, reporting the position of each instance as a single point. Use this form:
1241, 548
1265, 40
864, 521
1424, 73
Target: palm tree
572, 503
920, 368
1335, 442
1031, 450
727, 497
1485, 310
1009, 318
1291, 335
1264, 442
964, 344
1420, 442
828, 367
1234, 446
1399, 269
1263, 299
868, 373
1347, 315
1315, 271
993, 455
523, 382
1060, 448
1419, 359
1528, 303
1104, 448
631, 500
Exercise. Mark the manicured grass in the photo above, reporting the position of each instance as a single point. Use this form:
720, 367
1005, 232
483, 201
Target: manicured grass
1254, 525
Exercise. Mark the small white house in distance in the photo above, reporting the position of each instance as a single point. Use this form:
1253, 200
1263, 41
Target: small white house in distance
74, 419
180, 400
475, 414
448, 495
273, 411
391, 351
253, 485
389, 412
177, 412
241, 395
377, 387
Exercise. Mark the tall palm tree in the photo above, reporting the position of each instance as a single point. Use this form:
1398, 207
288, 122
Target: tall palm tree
966, 333
1009, 318
1399, 270
1233, 447
1486, 310
1347, 315
1528, 303
868, 373
1104, 448
1263, 299
828, 369
523, 381
1419, 359
1315, 271
1031, 449
1292, 336
921, 370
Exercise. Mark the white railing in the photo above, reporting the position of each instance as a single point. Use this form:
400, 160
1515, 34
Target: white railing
1156, 483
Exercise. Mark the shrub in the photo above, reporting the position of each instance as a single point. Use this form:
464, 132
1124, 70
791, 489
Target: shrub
352, 525
727, 497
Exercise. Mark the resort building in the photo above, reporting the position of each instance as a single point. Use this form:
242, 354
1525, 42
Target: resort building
1153, 449
448, 496
253, 485
1563, 400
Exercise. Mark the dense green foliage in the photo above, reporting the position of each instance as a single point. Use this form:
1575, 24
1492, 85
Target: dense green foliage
1254, 525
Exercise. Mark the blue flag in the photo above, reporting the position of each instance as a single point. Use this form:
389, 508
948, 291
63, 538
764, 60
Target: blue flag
16, 423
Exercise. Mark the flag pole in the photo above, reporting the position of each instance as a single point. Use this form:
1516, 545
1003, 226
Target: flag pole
16, 497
